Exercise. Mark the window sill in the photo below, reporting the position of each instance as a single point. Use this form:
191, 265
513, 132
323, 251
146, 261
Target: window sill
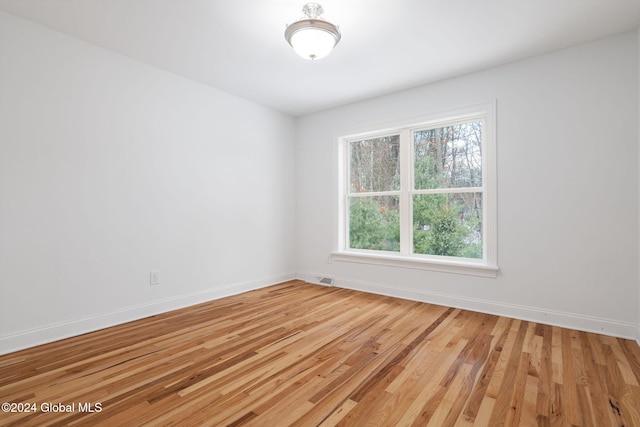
465, 267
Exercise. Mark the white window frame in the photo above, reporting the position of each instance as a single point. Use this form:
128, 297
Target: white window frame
486, 267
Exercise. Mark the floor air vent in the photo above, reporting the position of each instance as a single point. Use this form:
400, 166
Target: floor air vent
325, 280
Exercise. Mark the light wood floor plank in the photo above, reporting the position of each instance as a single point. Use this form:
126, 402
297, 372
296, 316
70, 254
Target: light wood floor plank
305, 355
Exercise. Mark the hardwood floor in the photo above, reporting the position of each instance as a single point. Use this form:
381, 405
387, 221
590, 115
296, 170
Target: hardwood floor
305, 355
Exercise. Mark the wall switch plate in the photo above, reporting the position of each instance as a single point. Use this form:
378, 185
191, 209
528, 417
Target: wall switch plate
154, 278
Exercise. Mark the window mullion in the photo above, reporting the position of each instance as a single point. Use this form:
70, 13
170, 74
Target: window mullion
406, 185
450, 190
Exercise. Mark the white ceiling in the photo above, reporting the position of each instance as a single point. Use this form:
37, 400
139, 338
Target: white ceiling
387, 45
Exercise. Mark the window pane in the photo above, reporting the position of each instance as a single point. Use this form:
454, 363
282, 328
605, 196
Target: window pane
448, 224
448, 157
375, 164
374, 223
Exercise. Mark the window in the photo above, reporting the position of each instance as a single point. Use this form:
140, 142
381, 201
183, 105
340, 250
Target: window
422, 195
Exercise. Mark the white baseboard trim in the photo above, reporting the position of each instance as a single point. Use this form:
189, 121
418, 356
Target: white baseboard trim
54, 332
550, 317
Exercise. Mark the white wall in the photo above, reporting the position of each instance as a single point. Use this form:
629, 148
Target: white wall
567, 189
110, 169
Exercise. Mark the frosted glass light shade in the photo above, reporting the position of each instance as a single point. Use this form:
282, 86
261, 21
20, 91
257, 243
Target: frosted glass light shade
312, 43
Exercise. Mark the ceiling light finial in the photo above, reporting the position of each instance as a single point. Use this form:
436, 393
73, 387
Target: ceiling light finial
312, 37
312, 10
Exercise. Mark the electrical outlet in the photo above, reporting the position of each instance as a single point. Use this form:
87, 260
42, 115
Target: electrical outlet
154, 278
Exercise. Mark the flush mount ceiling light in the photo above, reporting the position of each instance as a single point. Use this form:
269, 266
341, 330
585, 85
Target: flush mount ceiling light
312, 37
